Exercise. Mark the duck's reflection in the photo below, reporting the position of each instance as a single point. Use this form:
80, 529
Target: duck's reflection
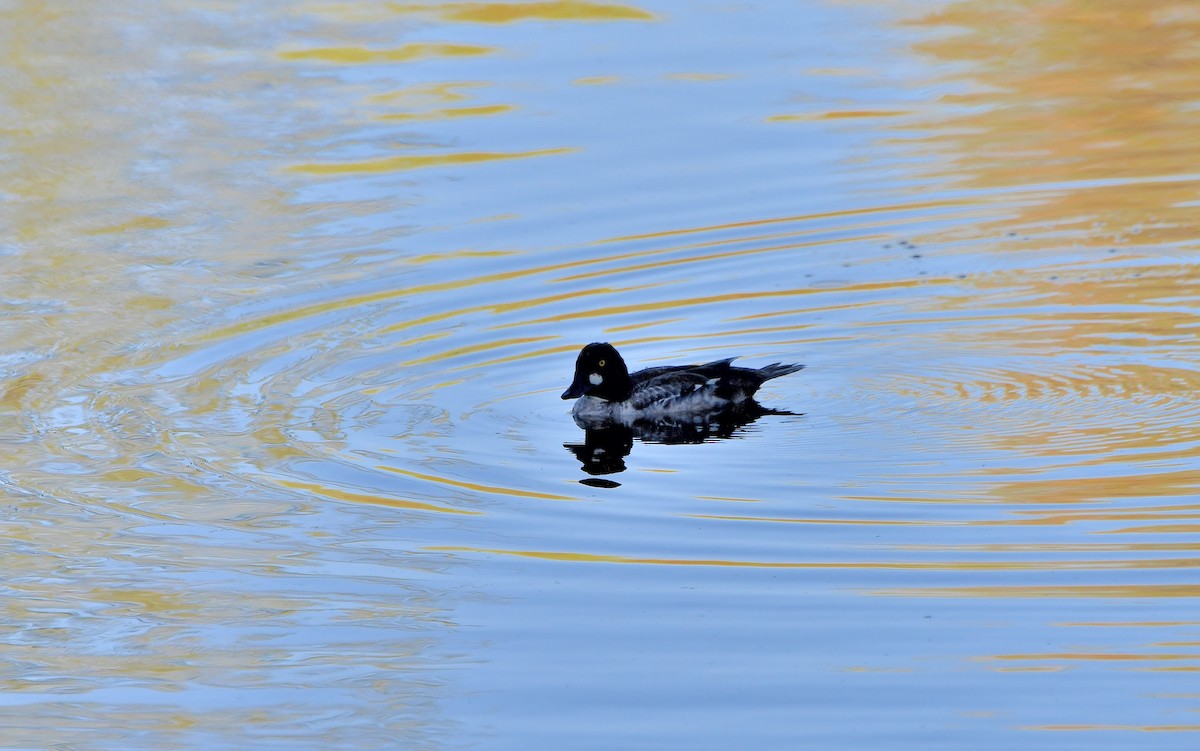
603, 450
606, 444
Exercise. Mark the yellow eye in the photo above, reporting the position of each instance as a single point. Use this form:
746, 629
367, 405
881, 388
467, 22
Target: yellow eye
601, 363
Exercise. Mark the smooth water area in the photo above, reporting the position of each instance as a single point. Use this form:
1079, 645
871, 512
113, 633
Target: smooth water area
290, 291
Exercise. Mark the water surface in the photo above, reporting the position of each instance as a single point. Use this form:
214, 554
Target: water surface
290, 291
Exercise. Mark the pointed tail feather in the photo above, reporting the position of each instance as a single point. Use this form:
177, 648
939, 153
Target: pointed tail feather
777, 369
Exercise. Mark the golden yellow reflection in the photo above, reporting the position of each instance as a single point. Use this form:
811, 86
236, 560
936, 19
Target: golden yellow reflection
447, 113
503, 307
554, 10
801, 520
1119, 728
1060, 547
417, 260
476, 486
470, 349
1091, 490
1090, 101
1097, 656
425, 94
596, 80
918, 211
655, 323
573, 347
134, 223
371, 499
837, 115
1125, 624
419, 161
426, 102
945, 565
1125, 306
698, 77
1055, 591
17, 389
402, 54
1156, 529
547, 555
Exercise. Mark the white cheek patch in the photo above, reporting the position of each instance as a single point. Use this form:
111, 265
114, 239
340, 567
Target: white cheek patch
595, 379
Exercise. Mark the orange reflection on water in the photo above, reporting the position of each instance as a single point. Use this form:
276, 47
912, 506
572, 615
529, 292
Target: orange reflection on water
1151, 529
1104, 591
1077, 490
133, 223
448, 113
1088, 100
404, 53
1141, 728
1095, 656
470, 349
801, 520
426, 93
616, 310
922, 211
419, 161
1127, 307
425, 102
369, 498
474, 486
498, 13
695, 77
944, 565
838, 115
596, 80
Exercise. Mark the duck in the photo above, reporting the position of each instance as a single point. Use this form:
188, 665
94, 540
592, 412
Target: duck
606, 392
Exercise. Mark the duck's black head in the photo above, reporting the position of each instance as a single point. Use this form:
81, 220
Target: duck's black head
600, 372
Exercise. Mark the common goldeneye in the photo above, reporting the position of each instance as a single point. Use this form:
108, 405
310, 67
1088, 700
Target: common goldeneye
607, 392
